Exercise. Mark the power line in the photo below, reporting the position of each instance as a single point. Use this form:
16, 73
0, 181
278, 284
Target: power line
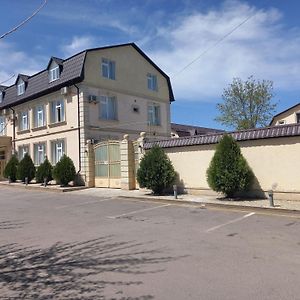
12, 76
25, 21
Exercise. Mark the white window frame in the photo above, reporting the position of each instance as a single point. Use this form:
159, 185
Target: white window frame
152, 82
106, 102
24, 120
2, 125
39, 153
108, 69
22, 150
39, 116
21, 87
57, 150
154, 114
54, 73
57, 111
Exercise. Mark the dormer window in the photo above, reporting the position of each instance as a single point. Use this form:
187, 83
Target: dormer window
21, 87
53, 72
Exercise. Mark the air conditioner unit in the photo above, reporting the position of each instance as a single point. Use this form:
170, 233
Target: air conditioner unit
92, 99
64, 90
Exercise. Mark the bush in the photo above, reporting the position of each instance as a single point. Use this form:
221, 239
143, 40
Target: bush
26, 168
11, 168
156, 171
229, 172
44, 171
64, 171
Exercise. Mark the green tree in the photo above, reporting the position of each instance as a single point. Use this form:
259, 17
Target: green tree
64, 171
26, 168
11, 168
228, 171
156, 171
44, 171
247, 104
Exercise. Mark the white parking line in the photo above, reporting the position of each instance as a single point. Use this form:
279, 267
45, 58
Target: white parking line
138, 211
82, 204
230, 222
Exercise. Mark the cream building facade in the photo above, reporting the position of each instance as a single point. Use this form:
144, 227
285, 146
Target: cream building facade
98, 94
289, 116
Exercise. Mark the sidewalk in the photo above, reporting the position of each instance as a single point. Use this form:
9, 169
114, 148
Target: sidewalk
264, 203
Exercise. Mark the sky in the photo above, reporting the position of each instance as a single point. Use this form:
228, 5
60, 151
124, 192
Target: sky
179, 36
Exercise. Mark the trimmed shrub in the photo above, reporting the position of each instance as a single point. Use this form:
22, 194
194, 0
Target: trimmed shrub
156, 171
64, 171
11, 168
26, 168
44, 171
229, 172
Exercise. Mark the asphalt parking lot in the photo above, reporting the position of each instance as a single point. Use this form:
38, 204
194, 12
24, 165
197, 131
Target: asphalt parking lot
78, 246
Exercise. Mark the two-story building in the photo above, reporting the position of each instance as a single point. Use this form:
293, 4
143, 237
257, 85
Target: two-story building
97, 94
288, 116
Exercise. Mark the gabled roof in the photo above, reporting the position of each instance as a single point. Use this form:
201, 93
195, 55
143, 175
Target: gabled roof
243, 135
294, 106
190, 130
72, 72
57, 60
23, 77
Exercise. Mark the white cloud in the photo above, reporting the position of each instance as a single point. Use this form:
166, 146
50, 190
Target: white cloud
261, 47
16, 62
78, 44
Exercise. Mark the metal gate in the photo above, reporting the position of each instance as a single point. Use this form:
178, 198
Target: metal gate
108, 164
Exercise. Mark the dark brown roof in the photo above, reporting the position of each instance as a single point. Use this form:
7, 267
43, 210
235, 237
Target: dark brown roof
38, 84
190, 130
244, 135
71, 72
283, 112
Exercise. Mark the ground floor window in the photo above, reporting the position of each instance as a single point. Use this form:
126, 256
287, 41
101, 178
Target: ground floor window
22, 150
58, 150
39, 153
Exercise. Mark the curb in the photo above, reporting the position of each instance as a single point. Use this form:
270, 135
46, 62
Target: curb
219, 205
44, 189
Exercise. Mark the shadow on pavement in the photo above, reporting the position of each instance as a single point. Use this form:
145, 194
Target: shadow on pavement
77, 270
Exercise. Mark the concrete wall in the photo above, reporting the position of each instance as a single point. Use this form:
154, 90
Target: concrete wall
275, 163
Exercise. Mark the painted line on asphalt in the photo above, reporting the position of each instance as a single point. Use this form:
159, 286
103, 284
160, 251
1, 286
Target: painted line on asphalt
84, 203
138, 211
230, 222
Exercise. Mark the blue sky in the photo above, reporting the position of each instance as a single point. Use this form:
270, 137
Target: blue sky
173, 33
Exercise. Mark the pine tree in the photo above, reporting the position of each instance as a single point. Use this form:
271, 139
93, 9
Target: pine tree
44, 171
64, 171
26, 169
156, 171
229, 172
11, 168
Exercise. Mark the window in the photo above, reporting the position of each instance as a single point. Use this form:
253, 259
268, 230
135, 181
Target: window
298, 117
1, 97
108, 69
152, 82
281, 122
2, 154
39, 116
24, 124
54, 73
57, 111
58, 150
21, 87
39, 153
108, 108
153, 114
2, 125
22, 151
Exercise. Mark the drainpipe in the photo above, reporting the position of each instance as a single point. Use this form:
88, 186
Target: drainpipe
14, 129
78, 116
